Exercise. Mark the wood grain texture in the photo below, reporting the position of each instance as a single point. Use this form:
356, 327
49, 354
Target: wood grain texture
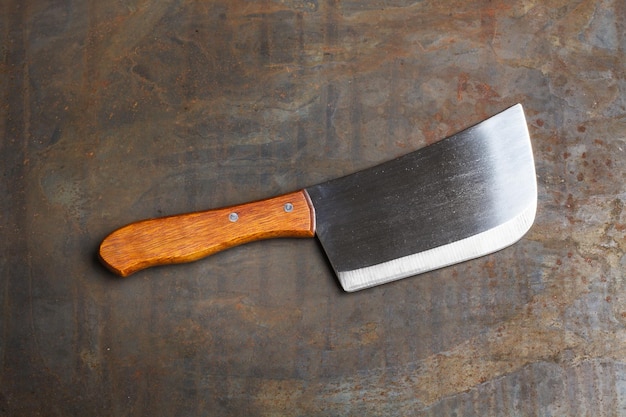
189, 237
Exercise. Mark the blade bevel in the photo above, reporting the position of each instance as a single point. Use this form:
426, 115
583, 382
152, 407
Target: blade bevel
472, 247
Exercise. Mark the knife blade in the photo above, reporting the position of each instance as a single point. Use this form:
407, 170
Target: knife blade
461, 198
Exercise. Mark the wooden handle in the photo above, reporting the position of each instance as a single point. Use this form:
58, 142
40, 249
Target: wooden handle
189, 237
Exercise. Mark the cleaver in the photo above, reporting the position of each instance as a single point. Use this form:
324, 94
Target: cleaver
463, 197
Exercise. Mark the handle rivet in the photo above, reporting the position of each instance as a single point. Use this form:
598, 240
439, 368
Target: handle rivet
288, 207
233, 217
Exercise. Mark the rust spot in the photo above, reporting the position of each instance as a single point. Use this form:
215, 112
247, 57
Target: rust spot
582, 129
400, 144
461, 85
599, 142
608, 298
490, 267
566, 155
540, 122
486, 91
559, 262
570, 204
580, 177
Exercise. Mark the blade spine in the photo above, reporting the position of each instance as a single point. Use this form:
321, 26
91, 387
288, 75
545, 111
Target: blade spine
471, 127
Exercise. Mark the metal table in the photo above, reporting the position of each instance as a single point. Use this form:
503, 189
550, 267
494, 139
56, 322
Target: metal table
118, 111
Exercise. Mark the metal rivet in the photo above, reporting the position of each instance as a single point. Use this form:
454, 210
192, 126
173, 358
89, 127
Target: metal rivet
233, 217
288, 207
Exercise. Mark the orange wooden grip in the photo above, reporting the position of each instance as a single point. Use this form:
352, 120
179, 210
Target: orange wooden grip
189, 237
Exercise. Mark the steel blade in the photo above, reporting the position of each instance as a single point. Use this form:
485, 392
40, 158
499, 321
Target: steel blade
463, 197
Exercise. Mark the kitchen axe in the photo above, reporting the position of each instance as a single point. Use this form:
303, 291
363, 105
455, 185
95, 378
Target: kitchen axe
463, 197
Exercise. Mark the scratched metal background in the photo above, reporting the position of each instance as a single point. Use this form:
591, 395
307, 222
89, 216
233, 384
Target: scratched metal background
117, 111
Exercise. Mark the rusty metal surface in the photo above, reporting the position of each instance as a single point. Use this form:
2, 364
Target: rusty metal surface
117, 111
